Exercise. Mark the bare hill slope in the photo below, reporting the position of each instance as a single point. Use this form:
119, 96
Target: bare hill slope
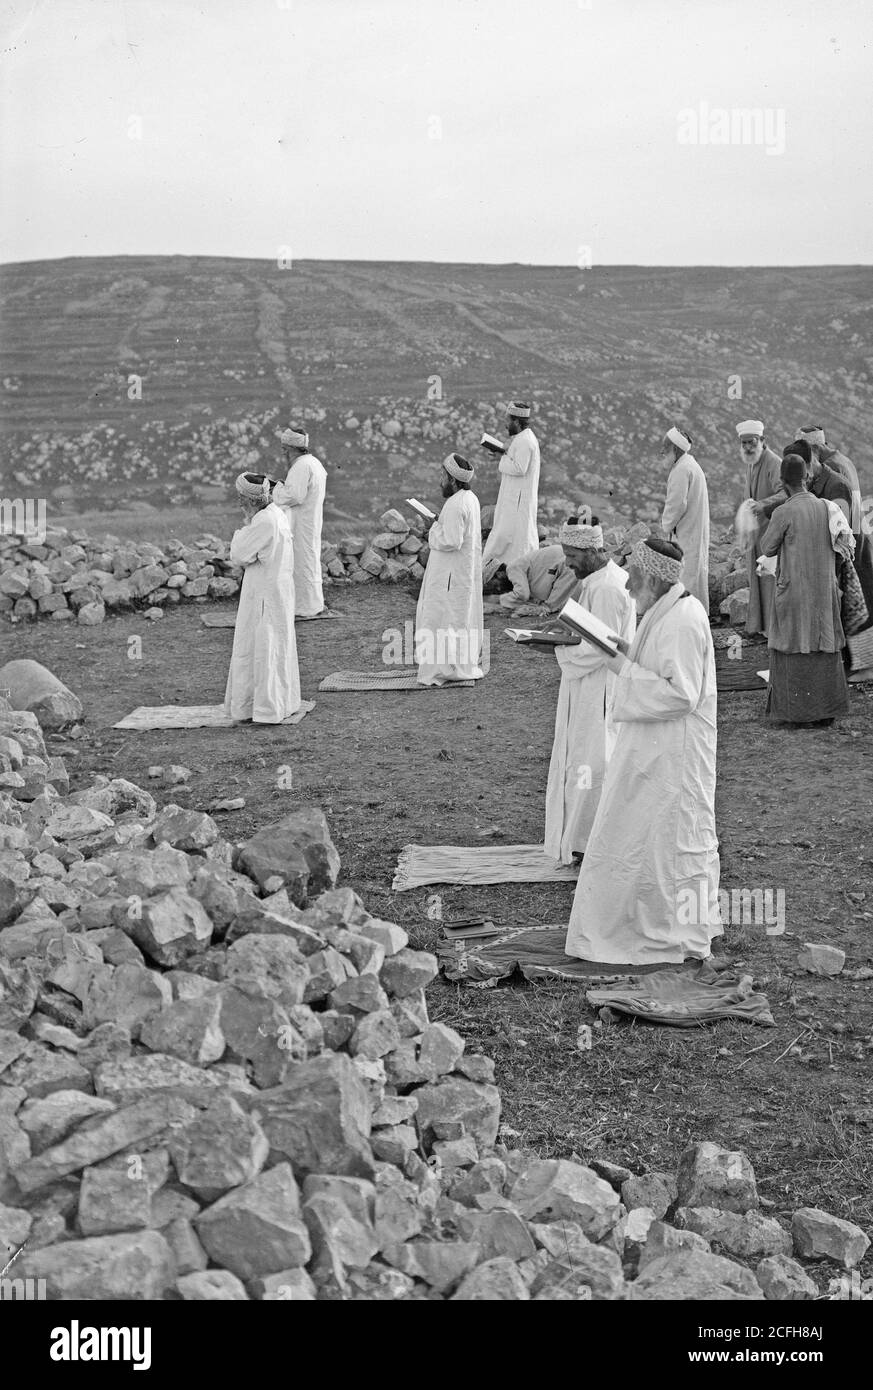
391, 365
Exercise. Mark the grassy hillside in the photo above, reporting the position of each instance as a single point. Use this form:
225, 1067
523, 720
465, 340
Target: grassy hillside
392, 365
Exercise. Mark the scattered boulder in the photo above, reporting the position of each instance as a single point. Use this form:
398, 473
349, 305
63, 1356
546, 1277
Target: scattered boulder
818, 1236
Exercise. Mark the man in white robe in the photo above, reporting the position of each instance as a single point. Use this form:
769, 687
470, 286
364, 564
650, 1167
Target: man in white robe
514, 532
765, 491
584, 735
648, 886
302, 497
685, 518
543, 577
448, 620
263, 684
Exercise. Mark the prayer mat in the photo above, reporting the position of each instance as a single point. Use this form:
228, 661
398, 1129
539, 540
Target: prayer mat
421, 864
383, 680
536, 952
229, 619
196, 717
739, 672
684, 995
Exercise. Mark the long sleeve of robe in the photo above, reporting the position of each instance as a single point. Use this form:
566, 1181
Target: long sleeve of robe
686, 517
514, 532
449, 624
764, 486
584, 735
263, 683
302, 498
648, 886
806, 606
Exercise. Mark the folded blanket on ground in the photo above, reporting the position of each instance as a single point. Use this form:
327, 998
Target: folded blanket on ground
389, 679
421, 864
684, 995
193, 717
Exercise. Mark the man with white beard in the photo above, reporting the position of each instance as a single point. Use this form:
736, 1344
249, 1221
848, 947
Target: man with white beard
514, 532
584, 735
302, 498
685, 517
653, 848
449, 624
763, 487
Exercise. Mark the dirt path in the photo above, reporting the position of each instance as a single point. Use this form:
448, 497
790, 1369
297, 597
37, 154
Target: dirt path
795, 812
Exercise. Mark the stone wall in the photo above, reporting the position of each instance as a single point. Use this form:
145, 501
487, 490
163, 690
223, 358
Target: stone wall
70, 576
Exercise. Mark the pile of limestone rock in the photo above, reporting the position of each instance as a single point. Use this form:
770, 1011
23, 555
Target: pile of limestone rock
69, 576
219, 1081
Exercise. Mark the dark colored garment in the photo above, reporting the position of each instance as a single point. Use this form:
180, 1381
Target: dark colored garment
806, 608
832, 487
806, 687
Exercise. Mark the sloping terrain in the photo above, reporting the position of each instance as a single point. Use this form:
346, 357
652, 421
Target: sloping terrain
150, 380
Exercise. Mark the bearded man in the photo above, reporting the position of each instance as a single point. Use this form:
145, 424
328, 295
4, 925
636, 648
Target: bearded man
648, 886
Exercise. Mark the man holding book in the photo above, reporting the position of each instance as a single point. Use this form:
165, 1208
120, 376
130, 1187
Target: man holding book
648, 886
584, 735
449, 622
514, 532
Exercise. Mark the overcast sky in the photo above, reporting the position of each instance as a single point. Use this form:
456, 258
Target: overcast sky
445, 130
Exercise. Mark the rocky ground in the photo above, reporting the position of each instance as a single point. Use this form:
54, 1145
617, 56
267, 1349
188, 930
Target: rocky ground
219, 1081
167, 954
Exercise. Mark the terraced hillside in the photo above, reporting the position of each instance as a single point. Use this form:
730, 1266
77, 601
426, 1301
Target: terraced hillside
391, 365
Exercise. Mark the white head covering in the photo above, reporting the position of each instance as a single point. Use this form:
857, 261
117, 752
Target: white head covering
254, 491
654, 563
676, 437
580, 536
520, 409
458, 467
292, 435
750, 427
816, 436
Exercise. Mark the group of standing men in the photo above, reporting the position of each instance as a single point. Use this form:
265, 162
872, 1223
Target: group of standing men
631, 785
279, 549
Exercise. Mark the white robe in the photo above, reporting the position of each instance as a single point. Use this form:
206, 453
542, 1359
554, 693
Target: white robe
584, 736
648, 886
448, 621
302, 498
514, 532
263, 683
686, 517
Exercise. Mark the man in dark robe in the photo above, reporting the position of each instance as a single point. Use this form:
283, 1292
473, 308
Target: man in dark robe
807, 679
832, 462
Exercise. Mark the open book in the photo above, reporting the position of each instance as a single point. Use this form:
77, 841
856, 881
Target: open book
493, 445
572, 625
421, 509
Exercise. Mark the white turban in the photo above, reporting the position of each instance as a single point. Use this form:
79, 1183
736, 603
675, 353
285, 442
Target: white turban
580, 536
654, 563
676, 437
750, 427
814, 436
294, 436
520, 409
458, 467
252, 486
